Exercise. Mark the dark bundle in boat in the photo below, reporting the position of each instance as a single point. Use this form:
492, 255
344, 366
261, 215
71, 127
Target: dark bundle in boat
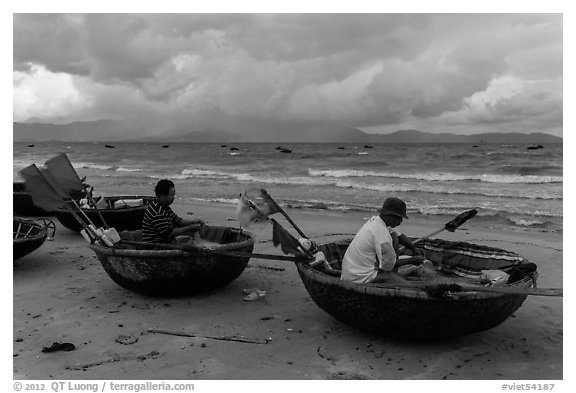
118, 211
169, 270
426, 311
29, 235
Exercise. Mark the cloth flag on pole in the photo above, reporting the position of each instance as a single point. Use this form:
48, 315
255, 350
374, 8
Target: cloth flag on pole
43, 194
270, 206
249, 212
62, 169
281, 237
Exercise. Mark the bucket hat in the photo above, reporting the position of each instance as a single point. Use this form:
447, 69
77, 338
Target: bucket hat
394, 206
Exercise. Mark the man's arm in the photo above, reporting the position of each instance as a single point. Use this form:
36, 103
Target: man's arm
386, 255
183, 230
414, 260
184, 222
406, 242
182, 226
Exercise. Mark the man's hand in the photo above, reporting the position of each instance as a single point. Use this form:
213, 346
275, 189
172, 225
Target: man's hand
194, 227
199, 222
417, 259
417, 251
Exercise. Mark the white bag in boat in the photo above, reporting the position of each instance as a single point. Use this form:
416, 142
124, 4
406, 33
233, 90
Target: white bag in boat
123, 203
494, 277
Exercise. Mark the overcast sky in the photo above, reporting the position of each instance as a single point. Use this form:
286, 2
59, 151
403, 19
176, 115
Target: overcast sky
460, 73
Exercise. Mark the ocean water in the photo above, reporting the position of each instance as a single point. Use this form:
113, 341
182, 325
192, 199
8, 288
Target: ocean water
510, 185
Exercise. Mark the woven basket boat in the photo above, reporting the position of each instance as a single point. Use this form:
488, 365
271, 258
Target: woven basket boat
29, 235
417, 314
149, 269
115, 214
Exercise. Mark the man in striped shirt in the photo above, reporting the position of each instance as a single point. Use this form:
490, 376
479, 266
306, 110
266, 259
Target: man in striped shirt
160, 224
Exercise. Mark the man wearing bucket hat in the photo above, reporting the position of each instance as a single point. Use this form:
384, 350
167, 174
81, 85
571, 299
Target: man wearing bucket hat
371, 256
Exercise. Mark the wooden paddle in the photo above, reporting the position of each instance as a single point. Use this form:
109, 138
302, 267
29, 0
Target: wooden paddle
475, 288
192, 248
451, 225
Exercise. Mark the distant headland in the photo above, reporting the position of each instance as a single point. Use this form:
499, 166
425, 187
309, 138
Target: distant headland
116, 131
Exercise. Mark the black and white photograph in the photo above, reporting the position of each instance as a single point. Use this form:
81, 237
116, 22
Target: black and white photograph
301, 196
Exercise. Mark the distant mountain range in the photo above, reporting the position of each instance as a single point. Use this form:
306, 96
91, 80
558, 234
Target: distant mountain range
115, 131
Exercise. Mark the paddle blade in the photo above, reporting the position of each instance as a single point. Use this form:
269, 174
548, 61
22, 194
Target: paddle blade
62, 169
460, 219
42, 193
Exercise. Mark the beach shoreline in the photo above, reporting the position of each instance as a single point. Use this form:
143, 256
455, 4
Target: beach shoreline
62, 294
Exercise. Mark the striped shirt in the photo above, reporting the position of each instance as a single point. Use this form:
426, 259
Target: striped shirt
158, 222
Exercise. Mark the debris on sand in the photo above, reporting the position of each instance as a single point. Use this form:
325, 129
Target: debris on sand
126, 339
253, 294
59, 347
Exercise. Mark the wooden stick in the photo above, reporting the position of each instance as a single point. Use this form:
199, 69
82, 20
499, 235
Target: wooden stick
453, 224
82, 211
117, 358
89, 196
18, 230
477, 288
427, 236
222, 338
186, 248
29, 230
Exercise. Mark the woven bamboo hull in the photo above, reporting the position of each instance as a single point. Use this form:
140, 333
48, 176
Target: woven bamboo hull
122, 219
391, 314
409, 313
24, 246
175, 272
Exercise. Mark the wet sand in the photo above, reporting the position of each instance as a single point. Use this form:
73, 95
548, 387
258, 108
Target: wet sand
62, 294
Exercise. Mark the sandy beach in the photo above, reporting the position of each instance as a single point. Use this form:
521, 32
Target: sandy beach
62, 294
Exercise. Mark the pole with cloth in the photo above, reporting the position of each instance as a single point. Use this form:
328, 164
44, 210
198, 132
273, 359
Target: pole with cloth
249, 211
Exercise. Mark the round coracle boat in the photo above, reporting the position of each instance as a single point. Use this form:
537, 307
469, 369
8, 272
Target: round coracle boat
29, 235
120, 212
172, 270
452, 303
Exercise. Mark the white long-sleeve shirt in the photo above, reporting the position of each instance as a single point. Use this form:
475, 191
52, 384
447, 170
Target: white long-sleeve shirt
371, 249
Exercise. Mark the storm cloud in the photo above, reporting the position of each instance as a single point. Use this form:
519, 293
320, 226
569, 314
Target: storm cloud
436, 72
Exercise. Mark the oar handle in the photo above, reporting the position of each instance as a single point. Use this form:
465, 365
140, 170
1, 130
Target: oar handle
190, 248
89, 196
427, 236
439, 288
